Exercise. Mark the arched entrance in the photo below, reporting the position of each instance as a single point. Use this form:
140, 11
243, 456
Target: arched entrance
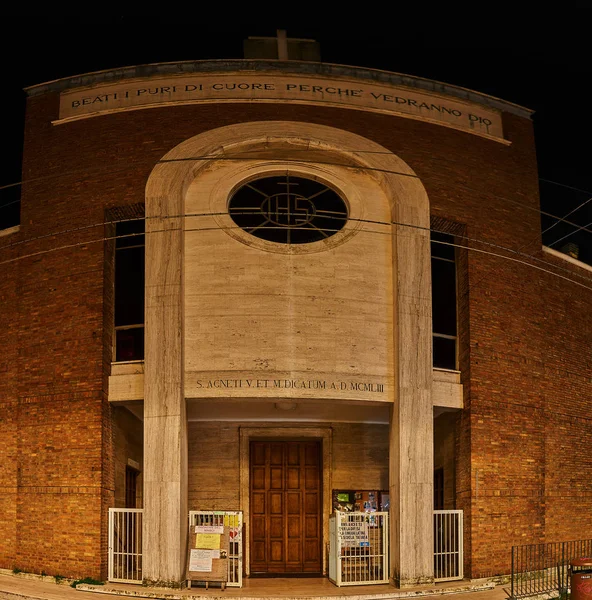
219, 160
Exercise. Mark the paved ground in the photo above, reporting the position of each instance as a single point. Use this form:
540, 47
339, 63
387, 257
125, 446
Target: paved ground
18, 587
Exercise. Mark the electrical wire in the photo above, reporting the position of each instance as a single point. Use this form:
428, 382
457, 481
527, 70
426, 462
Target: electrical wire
566, 236
356, 167
559, 220
569, 187
563, 219
367, 221
218, 228
234, 157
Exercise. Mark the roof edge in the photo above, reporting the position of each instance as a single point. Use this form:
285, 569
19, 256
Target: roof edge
309, 68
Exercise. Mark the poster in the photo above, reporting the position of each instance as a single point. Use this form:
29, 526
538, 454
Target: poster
231, 520
354, 534
218, 529
207, 554
209, 541
200, 561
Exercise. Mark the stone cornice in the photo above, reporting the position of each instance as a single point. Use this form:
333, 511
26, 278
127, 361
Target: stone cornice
275, 66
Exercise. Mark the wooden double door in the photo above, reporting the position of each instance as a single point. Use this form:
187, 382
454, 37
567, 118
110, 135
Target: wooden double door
285, 507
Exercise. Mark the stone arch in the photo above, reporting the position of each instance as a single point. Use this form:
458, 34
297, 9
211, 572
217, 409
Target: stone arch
410, 463
179, 166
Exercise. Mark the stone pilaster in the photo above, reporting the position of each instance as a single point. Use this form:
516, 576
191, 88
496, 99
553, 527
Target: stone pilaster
165, 421
411, 423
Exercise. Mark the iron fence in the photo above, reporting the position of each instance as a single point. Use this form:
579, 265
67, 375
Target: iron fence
358, 552
125, 545
448, 545
543, 568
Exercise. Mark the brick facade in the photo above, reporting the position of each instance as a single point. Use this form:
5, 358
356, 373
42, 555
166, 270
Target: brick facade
522, 440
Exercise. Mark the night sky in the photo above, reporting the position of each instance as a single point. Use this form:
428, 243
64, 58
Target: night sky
544, 66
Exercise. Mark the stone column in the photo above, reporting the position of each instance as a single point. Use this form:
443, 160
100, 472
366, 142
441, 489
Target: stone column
411, 423
165, 421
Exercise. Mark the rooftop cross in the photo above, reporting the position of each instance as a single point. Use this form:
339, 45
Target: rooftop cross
282, 47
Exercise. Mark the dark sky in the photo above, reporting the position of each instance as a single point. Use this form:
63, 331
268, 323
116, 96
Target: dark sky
543, 65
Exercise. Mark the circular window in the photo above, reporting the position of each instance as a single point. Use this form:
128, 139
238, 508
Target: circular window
288, 210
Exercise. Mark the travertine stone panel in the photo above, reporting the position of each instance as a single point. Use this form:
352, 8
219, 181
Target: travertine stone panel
165, 422
265, 322
213, 482
360, 456
447, 390
411, 490
265, 87
165, 499
127, 385
411, 435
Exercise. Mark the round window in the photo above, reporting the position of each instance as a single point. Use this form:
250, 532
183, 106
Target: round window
288, 210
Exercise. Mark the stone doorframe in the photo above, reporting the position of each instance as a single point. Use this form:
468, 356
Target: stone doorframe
287, 432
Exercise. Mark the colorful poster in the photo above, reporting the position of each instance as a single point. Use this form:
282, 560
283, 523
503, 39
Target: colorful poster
231, 520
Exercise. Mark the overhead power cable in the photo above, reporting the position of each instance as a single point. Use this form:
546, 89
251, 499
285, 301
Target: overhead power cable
186, 215
566, 236
384, 223
562, 219
356, 167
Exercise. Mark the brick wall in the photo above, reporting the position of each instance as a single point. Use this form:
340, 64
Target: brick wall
8, 406
525, 335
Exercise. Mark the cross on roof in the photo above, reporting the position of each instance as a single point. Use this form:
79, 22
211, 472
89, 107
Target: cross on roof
282, 40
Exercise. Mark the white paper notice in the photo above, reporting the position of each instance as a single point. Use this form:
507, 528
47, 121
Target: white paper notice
200, 561
203, 554
353, 533
209, 529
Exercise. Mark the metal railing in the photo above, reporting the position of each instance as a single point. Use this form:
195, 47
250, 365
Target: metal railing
448, 545
125, 545
234, 520
359, 550
543, 568
358, 553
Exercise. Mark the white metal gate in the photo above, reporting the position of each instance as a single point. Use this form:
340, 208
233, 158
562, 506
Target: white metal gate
234, 520
125, 545
448, 545
358, 548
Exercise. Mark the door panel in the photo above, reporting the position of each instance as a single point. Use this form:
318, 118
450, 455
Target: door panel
285, 507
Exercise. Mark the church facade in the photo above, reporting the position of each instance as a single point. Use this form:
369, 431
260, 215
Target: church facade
256, 285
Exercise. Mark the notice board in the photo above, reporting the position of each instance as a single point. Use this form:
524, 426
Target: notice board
207, 554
